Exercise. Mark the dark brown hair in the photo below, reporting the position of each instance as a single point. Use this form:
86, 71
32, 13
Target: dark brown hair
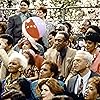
44, 10
26, 1
31, 58
53, 67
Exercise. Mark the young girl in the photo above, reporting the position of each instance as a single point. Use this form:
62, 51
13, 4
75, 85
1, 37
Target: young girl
31, 71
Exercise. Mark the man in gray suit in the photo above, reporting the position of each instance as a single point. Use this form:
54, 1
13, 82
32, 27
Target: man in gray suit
81, 65
14, 26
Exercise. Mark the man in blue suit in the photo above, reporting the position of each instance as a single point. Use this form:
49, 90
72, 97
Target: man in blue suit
14, 26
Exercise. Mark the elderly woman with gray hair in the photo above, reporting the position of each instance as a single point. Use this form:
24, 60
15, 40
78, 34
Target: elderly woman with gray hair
17, 63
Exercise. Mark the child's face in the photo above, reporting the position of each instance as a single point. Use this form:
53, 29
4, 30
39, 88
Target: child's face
26, 45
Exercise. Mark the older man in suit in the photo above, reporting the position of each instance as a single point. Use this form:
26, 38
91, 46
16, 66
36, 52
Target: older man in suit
14, 26
81, 65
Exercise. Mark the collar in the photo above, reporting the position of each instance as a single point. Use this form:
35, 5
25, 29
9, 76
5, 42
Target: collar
85, 77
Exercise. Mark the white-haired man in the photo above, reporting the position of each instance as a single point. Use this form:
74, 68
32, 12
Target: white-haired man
81, 65
17, 63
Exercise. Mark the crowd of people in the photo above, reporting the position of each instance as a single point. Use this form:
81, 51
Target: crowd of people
60, 65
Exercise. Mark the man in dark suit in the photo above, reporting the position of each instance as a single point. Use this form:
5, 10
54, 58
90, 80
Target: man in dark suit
81, 65
14, 26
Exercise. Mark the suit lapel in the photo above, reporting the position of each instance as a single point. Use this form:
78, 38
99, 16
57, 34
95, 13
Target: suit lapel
18, 19
67, 62
74, 83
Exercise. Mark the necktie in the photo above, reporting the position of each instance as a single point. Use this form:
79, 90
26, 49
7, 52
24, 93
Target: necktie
80, 88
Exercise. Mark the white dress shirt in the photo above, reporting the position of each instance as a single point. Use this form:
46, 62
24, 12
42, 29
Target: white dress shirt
85, 80
24, 16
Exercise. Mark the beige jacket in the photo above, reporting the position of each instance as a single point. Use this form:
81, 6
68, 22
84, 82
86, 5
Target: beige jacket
51, 54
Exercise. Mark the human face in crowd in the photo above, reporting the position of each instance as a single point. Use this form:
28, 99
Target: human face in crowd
13, 66
23, 7
60, 42
51, 40
79, 63
4, 44
46, 93
90, 46
90, 92
84, 26
45, 71
40, 14
26, 45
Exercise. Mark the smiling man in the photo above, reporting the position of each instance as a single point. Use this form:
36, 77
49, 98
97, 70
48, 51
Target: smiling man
14, 26
61, 53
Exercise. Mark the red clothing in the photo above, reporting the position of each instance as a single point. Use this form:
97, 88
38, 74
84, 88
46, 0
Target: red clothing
38, 61
96, 63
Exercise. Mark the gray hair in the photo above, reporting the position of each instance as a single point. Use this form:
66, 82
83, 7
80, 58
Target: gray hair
86, 55
21, 58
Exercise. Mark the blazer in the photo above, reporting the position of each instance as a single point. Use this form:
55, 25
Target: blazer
67, 62
72, 82
51, 54
14, 27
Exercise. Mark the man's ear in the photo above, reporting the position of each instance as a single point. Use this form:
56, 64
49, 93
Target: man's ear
87, 65
44, 14
20, 69
96, 45
67, 42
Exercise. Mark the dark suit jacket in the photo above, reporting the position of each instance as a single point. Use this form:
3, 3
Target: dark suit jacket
14, 27
72, 81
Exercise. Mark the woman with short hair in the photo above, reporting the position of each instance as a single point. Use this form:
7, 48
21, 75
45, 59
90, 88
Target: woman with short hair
49, 87
92, 91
